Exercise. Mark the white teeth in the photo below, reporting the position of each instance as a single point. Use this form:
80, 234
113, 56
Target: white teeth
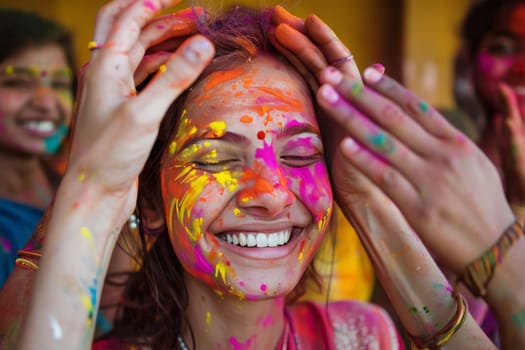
41, 126
273, 240
250, 240
242, 240
260, 240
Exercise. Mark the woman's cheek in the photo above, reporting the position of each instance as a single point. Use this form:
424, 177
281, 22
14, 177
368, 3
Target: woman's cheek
312, 185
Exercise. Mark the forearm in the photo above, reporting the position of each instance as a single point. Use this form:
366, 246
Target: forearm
506, 297
83, 228
417, 289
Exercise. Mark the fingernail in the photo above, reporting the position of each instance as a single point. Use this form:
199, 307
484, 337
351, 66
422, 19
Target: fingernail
349, 144
333, 76
329, 94
373, 73
198, 50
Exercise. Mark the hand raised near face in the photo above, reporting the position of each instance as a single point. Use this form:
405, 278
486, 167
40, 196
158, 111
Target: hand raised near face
444, 185
511, 142
116, 125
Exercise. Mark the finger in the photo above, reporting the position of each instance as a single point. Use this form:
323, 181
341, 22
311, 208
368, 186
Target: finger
381, 143
302, 47
150, 64
182, 68
127, 27
104, 21
382, 174
165, 33
332, 48
386, 113
297, 63
280, 15
423, 114
511, 111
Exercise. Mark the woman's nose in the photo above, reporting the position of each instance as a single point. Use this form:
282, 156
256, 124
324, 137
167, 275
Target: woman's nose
266, 195
44, 97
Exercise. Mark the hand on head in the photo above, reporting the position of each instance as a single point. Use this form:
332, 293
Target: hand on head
111, 114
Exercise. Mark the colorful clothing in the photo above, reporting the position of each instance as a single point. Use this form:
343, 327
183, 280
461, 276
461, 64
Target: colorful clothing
17, 223
342, 325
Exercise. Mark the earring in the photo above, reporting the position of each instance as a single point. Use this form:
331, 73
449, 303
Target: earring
133, 222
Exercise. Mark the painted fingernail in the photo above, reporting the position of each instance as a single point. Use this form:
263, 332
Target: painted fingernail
333, 76
198, 50
329, 94
373, 73
349, 144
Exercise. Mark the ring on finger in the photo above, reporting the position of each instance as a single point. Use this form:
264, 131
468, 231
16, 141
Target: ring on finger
340, 61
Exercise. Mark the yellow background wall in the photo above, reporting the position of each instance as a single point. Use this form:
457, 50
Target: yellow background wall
360, 24
414, 39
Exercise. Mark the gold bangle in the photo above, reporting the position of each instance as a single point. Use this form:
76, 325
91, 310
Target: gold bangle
26, 264
29, 253
436, 341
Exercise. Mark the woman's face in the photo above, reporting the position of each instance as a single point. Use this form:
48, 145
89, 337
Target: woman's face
501, 58
35, 100
246, 191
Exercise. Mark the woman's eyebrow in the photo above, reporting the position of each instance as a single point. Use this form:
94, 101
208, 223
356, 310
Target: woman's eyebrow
209, 134
299, 129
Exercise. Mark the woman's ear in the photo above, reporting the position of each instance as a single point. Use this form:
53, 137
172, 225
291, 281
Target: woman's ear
152, 219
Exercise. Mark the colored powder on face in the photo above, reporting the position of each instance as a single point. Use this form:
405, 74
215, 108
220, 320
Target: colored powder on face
263, 288
52, 143
246, 119
236, 211
221, 77
426, 310
267, 321
220, 270
162, 68
226, 180
201, 263
412, 309
261, 135
218, 127
301, 249
287, 103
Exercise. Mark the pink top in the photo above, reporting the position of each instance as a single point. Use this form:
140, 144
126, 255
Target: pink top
334, 326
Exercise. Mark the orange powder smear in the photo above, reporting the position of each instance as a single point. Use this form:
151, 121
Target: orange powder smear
292, 103
246, 119
222, 77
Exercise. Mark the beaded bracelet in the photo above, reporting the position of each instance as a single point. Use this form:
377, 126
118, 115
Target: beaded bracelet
436, 341
479, 273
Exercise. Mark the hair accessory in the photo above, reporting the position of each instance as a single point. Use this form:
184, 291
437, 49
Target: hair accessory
479, 273
341, 61
93, 45
436, 341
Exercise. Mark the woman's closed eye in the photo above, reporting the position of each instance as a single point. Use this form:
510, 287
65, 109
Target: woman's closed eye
215, 164
301, 160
